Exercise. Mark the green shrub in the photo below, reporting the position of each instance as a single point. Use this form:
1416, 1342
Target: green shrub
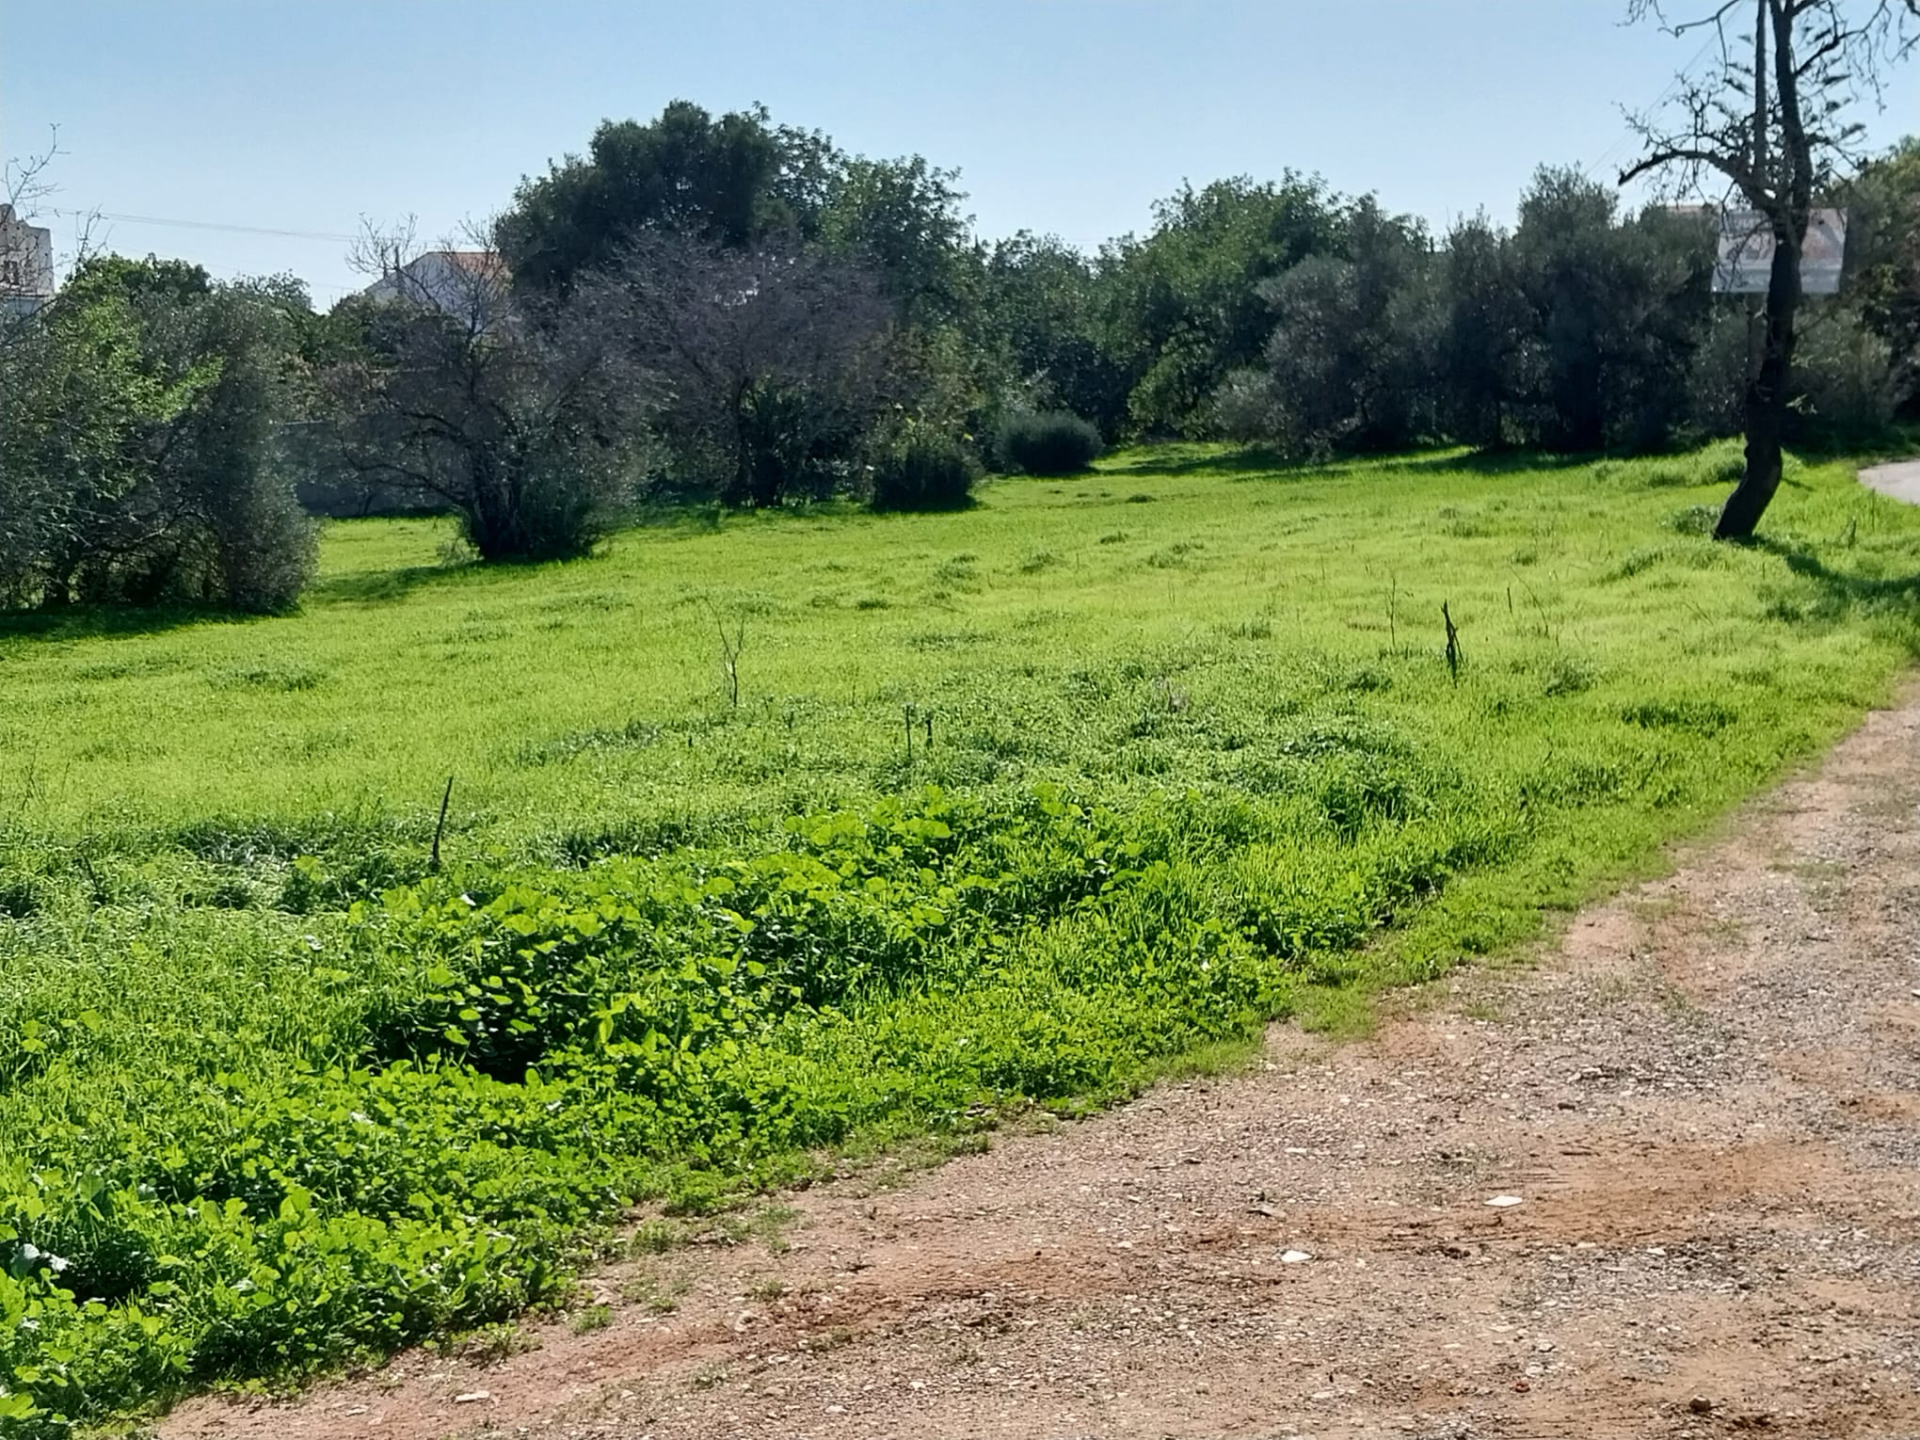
1246, 408
1845, 375
1051, 443
930, 472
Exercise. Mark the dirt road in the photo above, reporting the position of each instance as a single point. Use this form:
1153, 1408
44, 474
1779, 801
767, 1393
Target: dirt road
1706, 1102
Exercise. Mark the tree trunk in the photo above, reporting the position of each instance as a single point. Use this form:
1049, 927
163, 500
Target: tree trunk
740, 492
1767, 394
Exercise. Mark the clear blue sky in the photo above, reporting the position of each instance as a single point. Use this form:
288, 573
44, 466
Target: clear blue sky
1069, 116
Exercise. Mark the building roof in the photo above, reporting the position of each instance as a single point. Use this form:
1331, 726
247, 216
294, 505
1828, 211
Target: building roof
474, 262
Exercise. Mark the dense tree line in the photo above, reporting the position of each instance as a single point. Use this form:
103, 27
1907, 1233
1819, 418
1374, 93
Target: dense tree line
727, 308
1279, 312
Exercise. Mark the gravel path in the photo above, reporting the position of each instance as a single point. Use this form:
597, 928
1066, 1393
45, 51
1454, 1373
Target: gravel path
1901, 481
1705, 1099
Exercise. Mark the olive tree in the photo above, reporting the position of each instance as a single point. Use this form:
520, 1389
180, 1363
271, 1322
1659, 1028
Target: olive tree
140, 443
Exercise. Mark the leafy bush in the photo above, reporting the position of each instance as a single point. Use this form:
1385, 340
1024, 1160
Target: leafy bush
1844, 374
139, 452
1053, 442
929, 472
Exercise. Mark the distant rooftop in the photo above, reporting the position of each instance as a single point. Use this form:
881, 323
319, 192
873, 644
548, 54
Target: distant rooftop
474, 262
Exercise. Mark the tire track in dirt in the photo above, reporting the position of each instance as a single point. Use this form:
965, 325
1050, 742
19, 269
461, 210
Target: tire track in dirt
1706, 1096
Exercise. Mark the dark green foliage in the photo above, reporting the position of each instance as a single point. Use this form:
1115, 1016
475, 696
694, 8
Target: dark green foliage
1051, 443
1183, 304
901, 220
1615, 313
1578, 331
1883, 260
1043, 307
686, 172
1581, 330
1847, 386
140, 451
1483, 336
1351, 360
926, 472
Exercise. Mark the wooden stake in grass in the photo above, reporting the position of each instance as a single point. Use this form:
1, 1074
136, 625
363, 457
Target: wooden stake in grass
1453, 643
433, 859
908, 712
94, 885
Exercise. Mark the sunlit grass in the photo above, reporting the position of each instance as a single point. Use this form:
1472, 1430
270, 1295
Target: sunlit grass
1126, 763
565, 697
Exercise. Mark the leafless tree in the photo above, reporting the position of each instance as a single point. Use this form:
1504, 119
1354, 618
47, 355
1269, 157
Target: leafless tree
520, 415
26, 270
1771, 119
769, 364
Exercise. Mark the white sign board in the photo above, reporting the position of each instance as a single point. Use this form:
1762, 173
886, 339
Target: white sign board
1745, 262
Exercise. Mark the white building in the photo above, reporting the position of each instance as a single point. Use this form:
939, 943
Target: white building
469, 284
26, 264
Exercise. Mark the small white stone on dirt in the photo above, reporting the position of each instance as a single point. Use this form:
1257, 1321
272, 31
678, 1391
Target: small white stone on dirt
473, 1397
1295, 1257
1501, 1202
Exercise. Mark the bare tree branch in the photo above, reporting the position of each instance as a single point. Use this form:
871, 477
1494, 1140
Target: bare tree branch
1777, 130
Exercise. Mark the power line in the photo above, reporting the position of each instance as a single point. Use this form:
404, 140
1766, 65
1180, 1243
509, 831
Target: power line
328, 235
1673, 87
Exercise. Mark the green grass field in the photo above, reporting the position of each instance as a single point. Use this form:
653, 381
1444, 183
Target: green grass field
1016, 807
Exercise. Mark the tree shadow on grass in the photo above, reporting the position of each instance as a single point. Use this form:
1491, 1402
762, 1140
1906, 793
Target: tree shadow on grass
1255, 459
1485, 462
1842, 593
375, 587
1260, 462
111, 622
696, 517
